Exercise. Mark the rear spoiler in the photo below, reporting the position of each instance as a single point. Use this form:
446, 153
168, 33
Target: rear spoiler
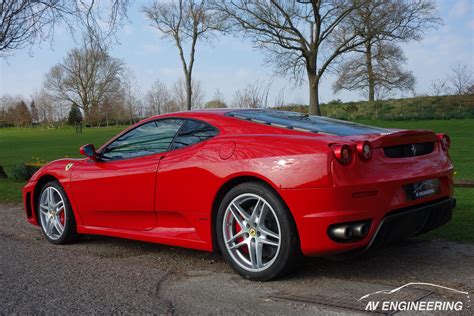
403, 137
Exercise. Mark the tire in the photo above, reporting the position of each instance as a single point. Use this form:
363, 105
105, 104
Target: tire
55, 216
267, 246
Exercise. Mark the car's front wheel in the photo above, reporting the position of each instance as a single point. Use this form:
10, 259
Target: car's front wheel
256, 232
55, 214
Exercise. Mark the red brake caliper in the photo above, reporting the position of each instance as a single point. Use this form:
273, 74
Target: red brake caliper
61, 217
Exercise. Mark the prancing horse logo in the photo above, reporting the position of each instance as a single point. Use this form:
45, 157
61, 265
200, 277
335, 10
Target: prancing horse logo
413, 149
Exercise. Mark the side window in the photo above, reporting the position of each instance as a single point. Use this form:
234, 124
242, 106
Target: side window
192, 133
150, 138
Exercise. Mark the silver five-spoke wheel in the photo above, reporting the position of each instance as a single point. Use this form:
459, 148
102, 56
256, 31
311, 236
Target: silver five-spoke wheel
251, 232
52, 213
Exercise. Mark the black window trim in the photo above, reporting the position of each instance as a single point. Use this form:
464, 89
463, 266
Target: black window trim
169, 146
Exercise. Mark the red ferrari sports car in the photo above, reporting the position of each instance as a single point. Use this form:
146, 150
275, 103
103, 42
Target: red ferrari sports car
260, 186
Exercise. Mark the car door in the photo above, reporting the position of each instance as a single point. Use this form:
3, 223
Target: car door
118, 190
184, 185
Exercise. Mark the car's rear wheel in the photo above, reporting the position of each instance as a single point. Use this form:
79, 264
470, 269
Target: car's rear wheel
256, 232
55, 214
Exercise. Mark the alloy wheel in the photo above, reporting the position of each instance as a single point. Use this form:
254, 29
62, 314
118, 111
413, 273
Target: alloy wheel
52, 213
251, 232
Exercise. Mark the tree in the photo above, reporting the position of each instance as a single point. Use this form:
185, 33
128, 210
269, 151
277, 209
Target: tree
75, 115
22, 116
34, 112
376, 64
44, 104
157, 97
87, 76
215, 104
130, 94
253, 96
295, 38
26, 22
185, 22
438, 87
383, 76
460, 79
180, 95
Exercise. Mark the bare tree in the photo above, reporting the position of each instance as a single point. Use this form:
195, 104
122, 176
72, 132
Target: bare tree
252, 96
130, 93
87, 76
376, 64
180, 95
384, 76
438, 87
280, 98
185, 22
26, 22
44, 104
460, 79
295, 38
157, 97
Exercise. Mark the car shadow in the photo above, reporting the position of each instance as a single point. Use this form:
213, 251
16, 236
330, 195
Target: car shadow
397, 260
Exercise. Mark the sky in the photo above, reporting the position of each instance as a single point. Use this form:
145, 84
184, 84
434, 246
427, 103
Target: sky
229, 63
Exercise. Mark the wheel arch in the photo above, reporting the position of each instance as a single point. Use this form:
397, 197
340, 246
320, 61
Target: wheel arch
37, 190
226, 187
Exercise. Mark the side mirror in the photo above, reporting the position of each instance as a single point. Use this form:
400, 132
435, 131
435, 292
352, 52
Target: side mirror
89, 151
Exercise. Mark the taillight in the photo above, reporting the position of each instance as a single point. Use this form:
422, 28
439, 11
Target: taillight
364, 150
445, 141
342, 153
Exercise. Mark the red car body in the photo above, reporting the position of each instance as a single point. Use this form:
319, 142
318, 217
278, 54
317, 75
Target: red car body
172, 197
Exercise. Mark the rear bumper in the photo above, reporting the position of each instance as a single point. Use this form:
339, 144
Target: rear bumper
412, 221
384, 205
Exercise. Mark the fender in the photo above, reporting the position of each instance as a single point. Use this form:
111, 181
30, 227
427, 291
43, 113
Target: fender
60, 170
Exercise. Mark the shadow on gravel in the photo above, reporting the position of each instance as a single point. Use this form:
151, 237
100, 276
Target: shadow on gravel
408, 259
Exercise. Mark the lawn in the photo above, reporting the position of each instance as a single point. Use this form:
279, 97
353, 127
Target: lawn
32, 144
29, 145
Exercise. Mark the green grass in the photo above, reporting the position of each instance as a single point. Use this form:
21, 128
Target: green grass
460, 226
10, 191
27, 145
30, 144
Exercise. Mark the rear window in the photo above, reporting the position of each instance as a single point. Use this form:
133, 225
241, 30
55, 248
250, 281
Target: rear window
306, 122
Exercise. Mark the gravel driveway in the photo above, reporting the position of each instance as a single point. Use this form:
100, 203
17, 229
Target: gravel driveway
107, 275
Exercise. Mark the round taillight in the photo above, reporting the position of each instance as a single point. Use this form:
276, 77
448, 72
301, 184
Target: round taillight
364, 150
445, 141
343, 153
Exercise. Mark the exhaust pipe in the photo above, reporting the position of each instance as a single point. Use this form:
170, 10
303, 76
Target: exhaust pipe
360, 230
343, 232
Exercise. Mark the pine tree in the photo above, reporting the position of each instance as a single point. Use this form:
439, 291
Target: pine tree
75, 115
23, 115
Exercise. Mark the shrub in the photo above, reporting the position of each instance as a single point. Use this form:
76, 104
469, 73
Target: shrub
418, 108
23, 172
